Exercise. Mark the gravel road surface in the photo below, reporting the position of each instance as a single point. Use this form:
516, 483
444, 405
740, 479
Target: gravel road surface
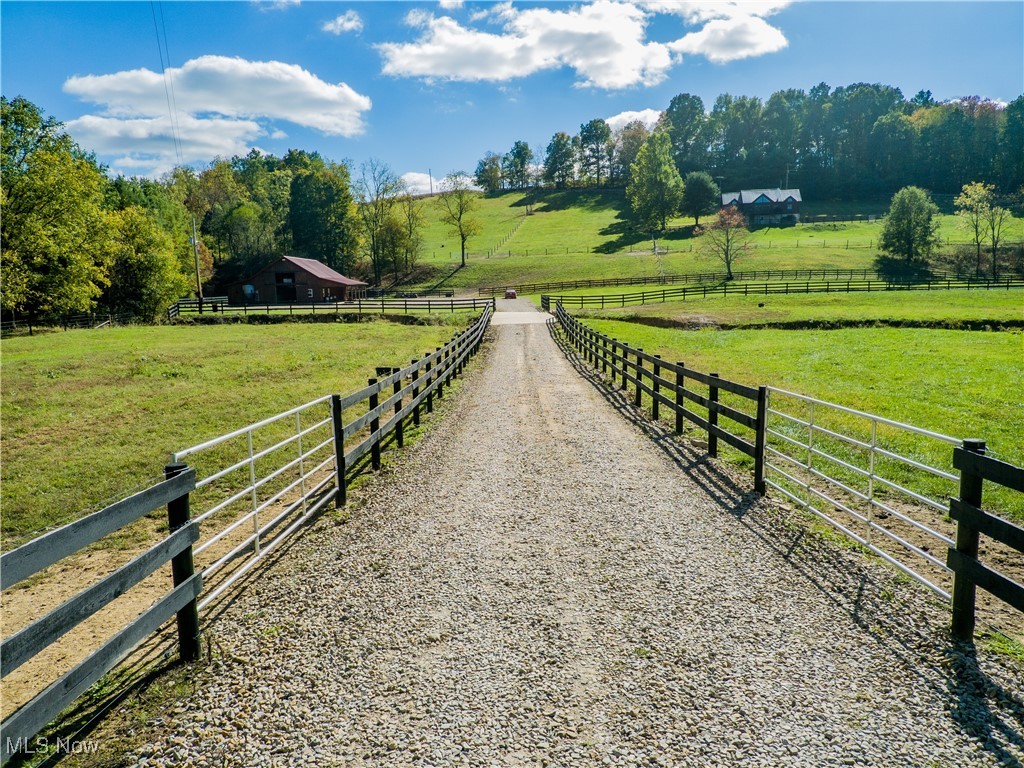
541, 581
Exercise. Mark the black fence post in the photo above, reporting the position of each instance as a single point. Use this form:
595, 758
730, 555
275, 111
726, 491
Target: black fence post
604, 354
638, 397
967, 540
712, 418
440, 374
760, 440
680, 389
374, 426
182, 569
341, 495
415, 392
399, 427
655, 387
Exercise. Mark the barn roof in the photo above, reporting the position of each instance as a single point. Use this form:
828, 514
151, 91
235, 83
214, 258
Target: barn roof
321, 270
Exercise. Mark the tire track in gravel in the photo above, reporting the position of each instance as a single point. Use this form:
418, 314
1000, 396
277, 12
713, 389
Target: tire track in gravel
538, 584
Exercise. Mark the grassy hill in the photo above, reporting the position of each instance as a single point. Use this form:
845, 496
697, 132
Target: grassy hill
550, 235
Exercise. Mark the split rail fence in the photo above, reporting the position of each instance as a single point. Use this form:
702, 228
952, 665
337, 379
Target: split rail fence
769, 288
888, 486
248, 491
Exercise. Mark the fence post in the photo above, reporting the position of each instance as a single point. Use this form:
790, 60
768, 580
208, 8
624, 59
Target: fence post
638, 399
712, 418
182, 569
439, 374
680, 389
340, 497
760, 440
654, 386
967, 539
625, 364
374, 427
604, 354
399, 428
415, 392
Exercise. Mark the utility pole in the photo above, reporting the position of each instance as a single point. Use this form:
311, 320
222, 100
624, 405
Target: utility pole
430, 179
195, 254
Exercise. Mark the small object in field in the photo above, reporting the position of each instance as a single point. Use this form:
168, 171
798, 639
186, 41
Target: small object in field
510, 293
760, 303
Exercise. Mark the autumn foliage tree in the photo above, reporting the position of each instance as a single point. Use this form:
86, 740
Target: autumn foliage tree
725, 238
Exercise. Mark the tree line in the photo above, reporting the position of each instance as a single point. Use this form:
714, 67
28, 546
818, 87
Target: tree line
75, 240
844, 143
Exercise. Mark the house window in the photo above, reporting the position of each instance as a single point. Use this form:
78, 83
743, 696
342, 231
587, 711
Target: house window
789, 206
309, 293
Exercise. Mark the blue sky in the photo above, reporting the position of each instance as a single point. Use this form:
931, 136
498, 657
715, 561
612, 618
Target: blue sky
433, 86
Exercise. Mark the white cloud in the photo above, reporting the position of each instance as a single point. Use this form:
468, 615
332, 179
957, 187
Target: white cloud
725, 40
222, 104
146, 144
349, 21
451, 5
420, 183
648, 117
604, 42
276, 5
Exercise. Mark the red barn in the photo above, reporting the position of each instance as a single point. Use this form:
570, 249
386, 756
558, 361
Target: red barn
291, 279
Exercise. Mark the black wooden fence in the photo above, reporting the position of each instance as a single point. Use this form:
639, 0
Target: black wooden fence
40, 553
665, 384
395, 399
765, 289
358, 307
972, 521
718, 277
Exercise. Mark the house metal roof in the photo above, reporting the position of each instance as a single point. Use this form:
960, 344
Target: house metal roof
748, 196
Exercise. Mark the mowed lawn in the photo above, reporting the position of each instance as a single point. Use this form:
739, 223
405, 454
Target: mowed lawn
959, 383
996, 306
91, 415
588, 234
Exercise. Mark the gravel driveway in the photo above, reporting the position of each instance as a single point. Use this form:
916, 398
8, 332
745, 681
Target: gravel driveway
539, 582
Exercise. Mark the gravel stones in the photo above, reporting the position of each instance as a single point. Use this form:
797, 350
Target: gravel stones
539, 583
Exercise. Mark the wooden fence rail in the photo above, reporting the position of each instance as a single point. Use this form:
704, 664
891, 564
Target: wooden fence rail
40, 553
394, 399
665, 384
360, 306
718, 277
972, 521
765, 289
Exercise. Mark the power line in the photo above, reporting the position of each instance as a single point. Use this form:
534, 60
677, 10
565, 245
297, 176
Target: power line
161, 47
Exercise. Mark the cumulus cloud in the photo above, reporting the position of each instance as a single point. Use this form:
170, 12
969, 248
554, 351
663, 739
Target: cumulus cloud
349, 21
451, 5
222, 104
420, 183
725, 40
648, 117
604, 42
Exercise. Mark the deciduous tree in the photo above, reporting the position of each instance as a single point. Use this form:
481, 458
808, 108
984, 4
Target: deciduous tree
655, 188
911, 226
701, 196
456, 204
972, 208
726, 238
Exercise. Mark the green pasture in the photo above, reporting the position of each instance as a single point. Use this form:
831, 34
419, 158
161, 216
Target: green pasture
959, 383
588, 234
951, 307
90, 415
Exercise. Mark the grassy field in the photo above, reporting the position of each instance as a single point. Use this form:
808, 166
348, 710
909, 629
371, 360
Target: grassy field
587, 234
960, 383
925, 306
90, 415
